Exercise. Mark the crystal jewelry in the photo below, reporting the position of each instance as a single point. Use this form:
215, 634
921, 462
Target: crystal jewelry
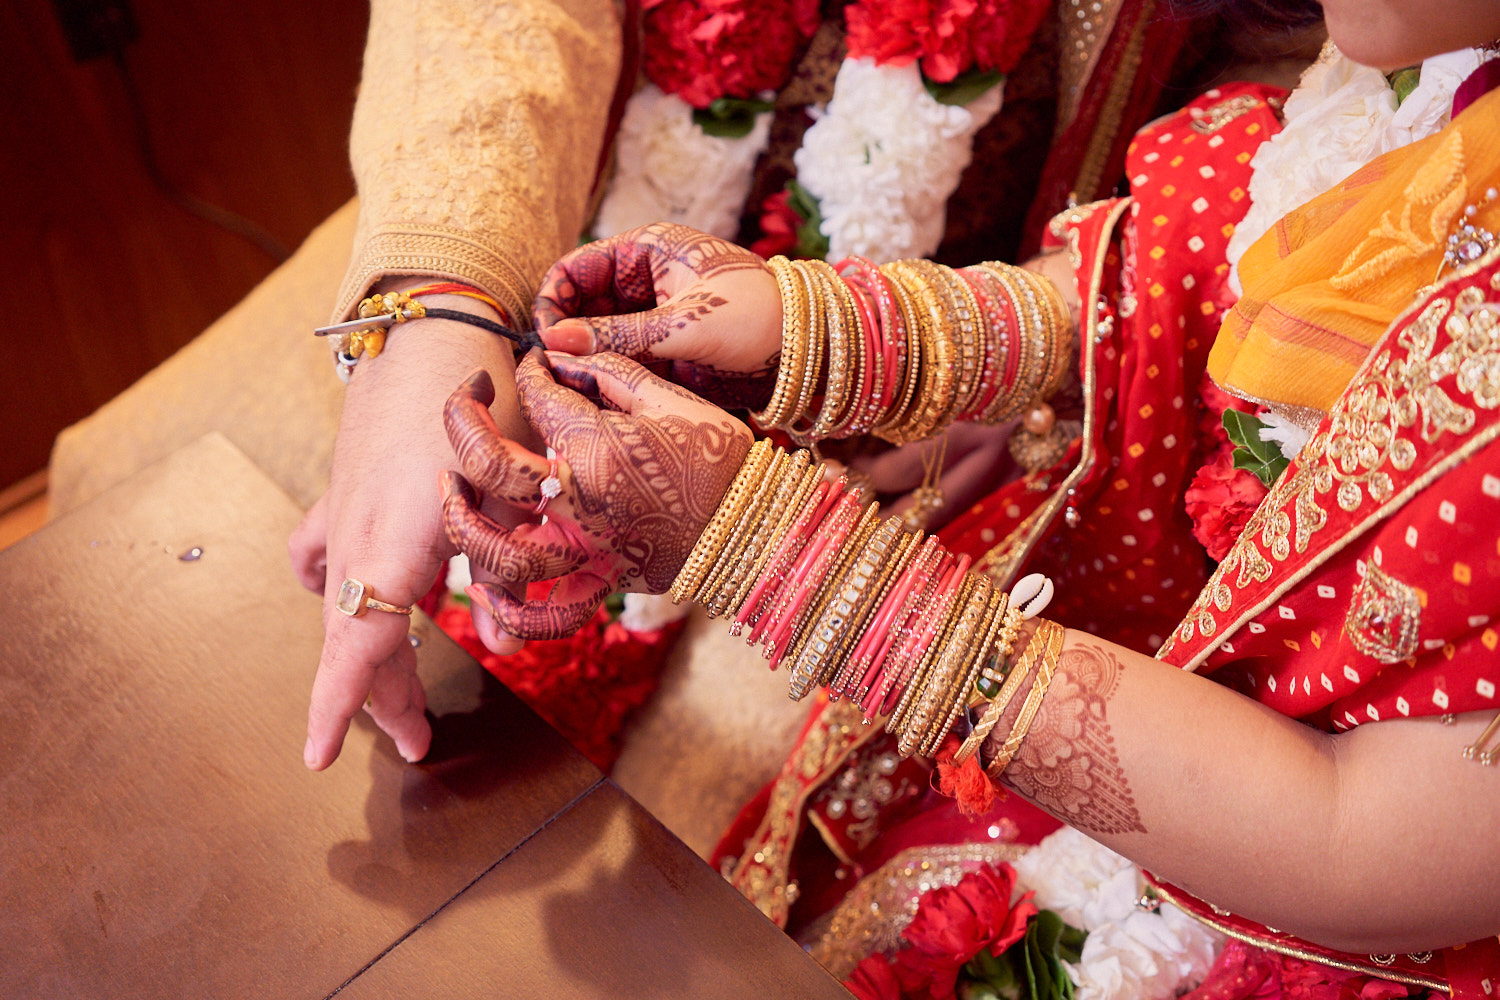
551, 486
354, 597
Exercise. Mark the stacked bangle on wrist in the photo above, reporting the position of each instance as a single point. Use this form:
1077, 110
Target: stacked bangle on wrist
876, 612
905, 349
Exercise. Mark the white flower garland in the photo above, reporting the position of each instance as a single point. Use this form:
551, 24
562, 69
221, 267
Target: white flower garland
1341, 116
669, 170
1130, 953
884, 156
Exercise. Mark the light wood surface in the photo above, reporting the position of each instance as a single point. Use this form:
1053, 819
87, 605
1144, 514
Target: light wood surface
162, 838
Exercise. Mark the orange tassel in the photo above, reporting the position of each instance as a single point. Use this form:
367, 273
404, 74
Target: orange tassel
966, 783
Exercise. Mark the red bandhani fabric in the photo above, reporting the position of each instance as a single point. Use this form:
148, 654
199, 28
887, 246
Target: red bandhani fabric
1125, 560
1129, 589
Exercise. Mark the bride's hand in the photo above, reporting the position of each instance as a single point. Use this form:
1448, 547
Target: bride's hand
667, 293
640, 467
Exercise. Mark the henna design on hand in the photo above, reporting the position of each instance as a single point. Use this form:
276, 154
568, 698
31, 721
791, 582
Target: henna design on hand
554, 618
477, 443
638, 288
644, 488
514, 556
1068, 764
638, 486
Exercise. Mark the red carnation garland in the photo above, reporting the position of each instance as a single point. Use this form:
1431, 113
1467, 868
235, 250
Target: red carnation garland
704, 50
949, 37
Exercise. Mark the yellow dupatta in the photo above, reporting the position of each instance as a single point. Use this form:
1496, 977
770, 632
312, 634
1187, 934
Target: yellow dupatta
1326, 282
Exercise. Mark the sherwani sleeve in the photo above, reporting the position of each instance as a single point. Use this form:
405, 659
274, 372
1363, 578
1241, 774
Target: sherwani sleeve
475, 141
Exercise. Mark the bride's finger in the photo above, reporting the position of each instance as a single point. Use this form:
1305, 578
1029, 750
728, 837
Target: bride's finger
520, 555
564, 611
500, 468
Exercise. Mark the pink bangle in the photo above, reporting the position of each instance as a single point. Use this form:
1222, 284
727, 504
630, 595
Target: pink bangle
947, 590
796, 544
878, 634
777, 566
813, 567
994, 352
875, 644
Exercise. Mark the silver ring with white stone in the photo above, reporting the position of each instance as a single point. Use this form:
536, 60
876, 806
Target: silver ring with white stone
551, 486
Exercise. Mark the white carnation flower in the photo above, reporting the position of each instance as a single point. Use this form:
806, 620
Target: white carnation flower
649, 612
1289, 437
1130, 954
884, 156
1341, 116
670, 170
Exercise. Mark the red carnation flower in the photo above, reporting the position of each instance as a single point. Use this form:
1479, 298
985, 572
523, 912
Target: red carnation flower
874, 979
702, 50
779, 222
953, 924
1220, 502
950, 37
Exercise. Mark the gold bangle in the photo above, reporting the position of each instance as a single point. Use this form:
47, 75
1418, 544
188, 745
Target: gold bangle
935, 392
1033, 700
854, 670
952, 672
817, 345
794, 343
905, 718
891, 426
1019, 671
808, 670
743, 531
706, 549
796, 486
824, 652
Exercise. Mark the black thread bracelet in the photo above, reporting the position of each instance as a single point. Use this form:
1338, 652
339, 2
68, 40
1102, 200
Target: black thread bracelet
524, 340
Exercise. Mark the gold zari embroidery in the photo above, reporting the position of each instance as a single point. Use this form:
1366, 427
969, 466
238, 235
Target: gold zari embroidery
1384, 617
876, 911
1371, 432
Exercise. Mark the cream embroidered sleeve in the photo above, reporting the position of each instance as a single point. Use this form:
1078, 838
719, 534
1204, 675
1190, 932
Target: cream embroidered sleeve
475, 140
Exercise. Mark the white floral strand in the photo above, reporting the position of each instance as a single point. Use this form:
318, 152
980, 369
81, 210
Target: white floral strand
669, 170
883, 157
1130, 954
1341, 116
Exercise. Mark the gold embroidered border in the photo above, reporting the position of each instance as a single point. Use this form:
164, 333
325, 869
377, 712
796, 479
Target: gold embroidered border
433, 250
1291, 951
763, 872
1247, 546
875, 912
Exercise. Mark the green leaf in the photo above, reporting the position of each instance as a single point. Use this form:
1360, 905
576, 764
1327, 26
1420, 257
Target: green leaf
1040, 955
1261, 458
1404, 81
810, 239
730, 117
616, 604
963, 88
